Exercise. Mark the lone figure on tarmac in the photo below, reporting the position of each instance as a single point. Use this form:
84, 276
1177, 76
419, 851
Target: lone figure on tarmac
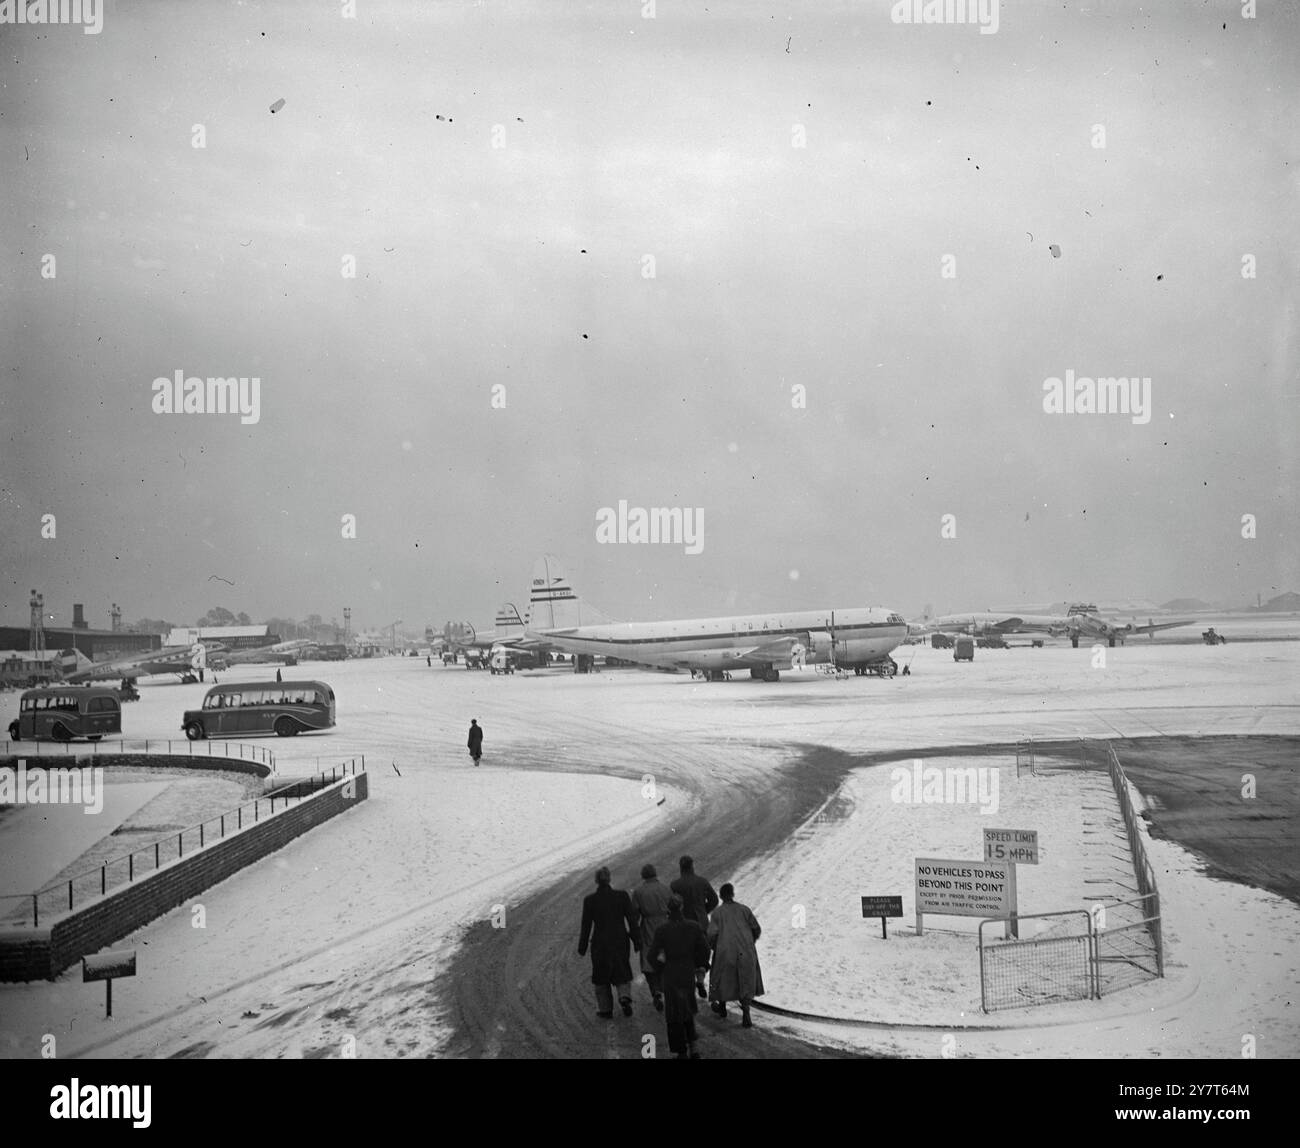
475, 740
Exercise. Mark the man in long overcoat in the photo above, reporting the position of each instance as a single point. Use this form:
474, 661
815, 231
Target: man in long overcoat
698, 898
609, 926
679, 946
650, 901
475, 742
733, 929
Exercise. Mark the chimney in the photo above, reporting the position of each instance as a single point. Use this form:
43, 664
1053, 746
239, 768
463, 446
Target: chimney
78, 616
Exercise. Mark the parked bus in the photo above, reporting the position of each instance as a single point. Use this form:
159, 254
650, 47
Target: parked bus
284, 708
60, 713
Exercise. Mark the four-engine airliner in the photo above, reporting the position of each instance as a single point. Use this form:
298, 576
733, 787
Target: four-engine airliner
764, 644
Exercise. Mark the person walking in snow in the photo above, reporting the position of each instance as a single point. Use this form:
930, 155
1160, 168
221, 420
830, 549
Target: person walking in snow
680, 949
698, 901
608, 925
475, 740
735, 975
650, 903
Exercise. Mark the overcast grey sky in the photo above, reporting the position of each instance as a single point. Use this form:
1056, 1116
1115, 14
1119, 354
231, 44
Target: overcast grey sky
522, 265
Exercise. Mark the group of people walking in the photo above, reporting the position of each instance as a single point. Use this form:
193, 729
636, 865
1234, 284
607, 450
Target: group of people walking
681, 932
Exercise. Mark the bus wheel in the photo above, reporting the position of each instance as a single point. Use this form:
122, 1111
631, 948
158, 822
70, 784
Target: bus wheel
60, 732
13, 731
194, 731
286, 726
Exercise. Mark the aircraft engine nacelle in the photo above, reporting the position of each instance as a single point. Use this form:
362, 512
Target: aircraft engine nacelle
859, 651
817, 647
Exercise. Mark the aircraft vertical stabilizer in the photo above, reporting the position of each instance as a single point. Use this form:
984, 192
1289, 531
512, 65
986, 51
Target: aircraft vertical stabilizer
552, 603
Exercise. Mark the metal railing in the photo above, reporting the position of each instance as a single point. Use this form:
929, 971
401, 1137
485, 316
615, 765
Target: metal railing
137, 746
1059, 965
123, 868
1128, 945
1025, 758
1142, 869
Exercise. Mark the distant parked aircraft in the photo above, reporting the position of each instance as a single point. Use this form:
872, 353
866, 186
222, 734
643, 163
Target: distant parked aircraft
1082, 620
764, 644
284, 652
185, 661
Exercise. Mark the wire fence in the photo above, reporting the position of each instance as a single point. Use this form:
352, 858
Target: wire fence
21, 909
1058, 964
1147, 903
1086, 954
1025, 762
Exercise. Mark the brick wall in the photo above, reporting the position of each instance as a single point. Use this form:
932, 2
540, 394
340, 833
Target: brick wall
32, 954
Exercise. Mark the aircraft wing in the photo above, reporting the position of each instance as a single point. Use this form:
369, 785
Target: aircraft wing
774, 651
777, 650
1152, 627
1095, 625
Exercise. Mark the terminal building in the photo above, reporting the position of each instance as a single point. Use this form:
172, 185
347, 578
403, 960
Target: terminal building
97, 645
232, 637
63, 649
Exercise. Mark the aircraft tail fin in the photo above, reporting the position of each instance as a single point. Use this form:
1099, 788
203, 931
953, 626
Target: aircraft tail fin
508, 622
553, 605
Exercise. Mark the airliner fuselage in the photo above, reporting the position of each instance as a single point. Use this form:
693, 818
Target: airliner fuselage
775, 641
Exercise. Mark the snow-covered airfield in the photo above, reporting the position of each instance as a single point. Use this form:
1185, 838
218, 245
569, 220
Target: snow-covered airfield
335, 942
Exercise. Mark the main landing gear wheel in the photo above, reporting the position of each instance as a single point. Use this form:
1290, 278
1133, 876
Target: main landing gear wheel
770, 675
